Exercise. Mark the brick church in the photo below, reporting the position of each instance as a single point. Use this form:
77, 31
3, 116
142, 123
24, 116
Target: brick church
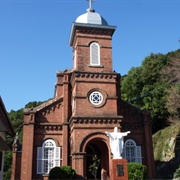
69, 129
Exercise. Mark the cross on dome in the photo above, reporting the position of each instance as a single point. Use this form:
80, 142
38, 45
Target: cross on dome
90, 4
91, 17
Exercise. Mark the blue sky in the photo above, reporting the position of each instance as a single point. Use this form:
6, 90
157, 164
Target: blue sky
34, 37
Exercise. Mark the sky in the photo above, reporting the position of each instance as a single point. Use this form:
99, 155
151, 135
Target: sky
34, 40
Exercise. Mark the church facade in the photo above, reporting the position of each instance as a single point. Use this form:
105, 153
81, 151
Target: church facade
69, 129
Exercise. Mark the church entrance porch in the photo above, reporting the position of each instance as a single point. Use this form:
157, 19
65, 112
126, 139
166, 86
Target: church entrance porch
97, 155
94, 144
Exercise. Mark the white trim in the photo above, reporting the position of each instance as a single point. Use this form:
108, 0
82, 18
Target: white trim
96, 98
138, 154
48, 156
57, 156
39, 160
94, 54
132, 152
48, 142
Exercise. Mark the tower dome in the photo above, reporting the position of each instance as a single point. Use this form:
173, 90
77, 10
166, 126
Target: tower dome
92, 21
91, 17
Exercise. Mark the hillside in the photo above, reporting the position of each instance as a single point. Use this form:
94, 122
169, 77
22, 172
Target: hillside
166, 144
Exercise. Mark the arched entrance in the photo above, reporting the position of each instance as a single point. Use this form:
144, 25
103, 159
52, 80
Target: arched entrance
99, 148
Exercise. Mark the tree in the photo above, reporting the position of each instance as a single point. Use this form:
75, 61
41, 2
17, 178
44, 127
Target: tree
16, 118
93, 168
171, 74
144, 88
155, 104
173, 103
7, 165
132, 85
33, 104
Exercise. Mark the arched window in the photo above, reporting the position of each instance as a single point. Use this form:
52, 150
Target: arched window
94, 54
48, 156
132, 152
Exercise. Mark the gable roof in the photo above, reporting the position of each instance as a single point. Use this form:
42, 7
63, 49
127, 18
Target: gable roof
44, 105
4, 120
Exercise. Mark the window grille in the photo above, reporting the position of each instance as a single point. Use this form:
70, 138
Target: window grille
94, 54
48, 156
96, 98
132, 152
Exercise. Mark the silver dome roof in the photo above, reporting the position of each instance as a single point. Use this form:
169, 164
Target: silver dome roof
91, 17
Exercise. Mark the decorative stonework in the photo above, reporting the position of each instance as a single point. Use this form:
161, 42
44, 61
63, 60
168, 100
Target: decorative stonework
48, 110
100, 120
95, 75
94, 31
49, 127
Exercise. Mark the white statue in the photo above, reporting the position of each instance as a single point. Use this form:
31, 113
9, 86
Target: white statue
117, 142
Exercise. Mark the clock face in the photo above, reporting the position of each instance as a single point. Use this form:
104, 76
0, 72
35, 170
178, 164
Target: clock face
96, 98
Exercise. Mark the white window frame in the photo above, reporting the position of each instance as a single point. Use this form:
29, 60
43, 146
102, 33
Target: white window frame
94, 54
96, 98
132, 152
48, 156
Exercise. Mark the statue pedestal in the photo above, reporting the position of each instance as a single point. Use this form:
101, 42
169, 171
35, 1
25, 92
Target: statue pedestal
119, 169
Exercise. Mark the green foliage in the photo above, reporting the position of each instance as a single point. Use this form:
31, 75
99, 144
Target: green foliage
173, 103
93, 168
7, 165
136, 171
146, 88
177, 173
171, 74
7, 174
63, 172
33, 104
132, 84
16, 118
69, 173
151, 67
55, 173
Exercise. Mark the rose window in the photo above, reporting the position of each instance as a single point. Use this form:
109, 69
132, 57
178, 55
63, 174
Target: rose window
96, 98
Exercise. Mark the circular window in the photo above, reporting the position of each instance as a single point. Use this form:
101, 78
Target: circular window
96, 98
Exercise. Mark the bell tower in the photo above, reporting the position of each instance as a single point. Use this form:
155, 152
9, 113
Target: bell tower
95, 88
93, 82
91, 41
